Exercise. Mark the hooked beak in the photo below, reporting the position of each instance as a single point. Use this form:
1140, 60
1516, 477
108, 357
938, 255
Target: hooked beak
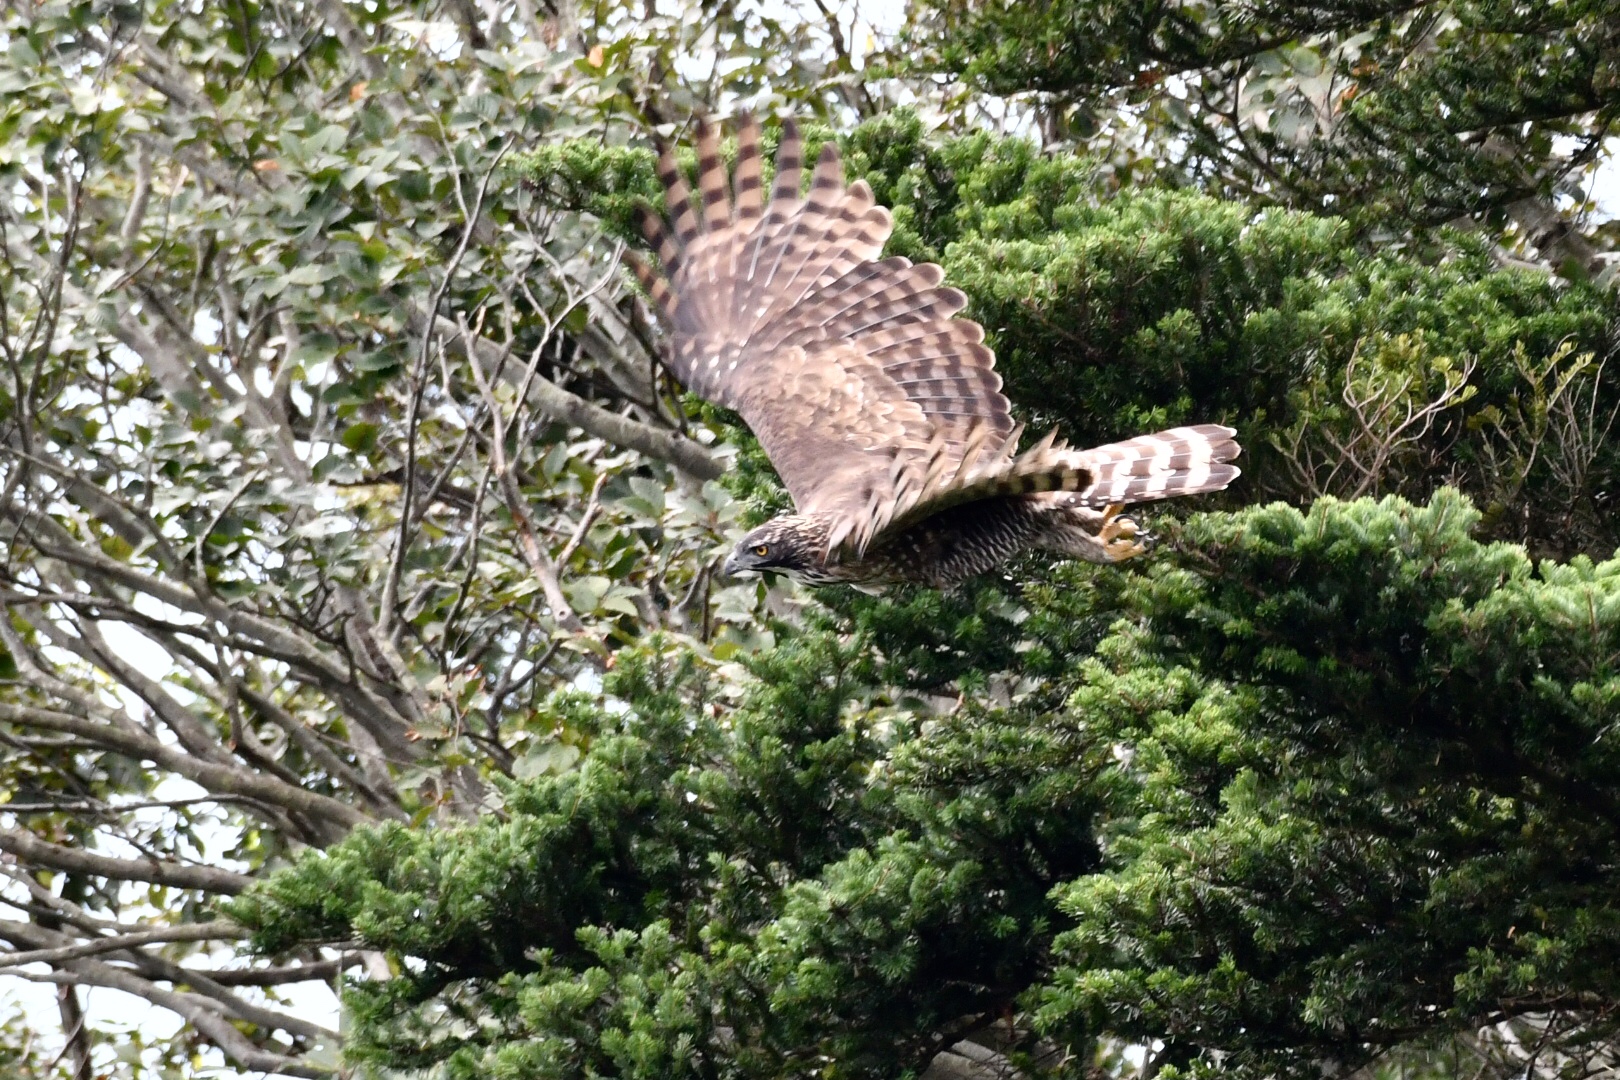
731, 567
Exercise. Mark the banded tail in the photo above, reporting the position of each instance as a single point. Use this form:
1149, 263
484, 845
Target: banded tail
1180, 461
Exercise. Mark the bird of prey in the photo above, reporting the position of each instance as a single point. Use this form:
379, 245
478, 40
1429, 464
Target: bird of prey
880, 410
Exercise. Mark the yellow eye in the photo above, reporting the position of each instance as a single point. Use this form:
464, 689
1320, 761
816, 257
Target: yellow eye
762, 550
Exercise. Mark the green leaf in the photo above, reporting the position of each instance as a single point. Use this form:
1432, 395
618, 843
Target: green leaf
361, 437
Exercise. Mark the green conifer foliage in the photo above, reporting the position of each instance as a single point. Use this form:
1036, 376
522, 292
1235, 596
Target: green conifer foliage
1371, 790
807, 881
1334, 781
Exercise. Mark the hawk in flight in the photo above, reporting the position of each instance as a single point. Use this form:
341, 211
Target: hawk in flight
881, 411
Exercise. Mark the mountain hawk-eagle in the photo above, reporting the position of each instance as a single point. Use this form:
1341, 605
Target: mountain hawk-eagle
880, 410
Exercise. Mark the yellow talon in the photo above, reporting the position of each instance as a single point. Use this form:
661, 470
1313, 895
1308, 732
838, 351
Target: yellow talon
1122, 538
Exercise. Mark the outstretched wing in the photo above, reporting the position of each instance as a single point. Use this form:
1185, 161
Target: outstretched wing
876, 405
860, 384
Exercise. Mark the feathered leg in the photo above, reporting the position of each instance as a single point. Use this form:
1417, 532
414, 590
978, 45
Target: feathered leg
1097, 536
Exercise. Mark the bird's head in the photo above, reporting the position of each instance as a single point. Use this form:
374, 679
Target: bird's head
790, 545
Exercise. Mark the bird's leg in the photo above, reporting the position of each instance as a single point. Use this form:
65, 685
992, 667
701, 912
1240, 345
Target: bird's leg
1121, 537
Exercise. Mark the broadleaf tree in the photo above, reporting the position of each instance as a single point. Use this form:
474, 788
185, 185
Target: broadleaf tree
1397, 114
363, 624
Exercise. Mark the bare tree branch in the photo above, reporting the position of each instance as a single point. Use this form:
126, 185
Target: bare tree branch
26, 846
225, 779
222, 931
565, 407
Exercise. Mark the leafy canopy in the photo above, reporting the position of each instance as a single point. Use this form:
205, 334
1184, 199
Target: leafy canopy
345, 509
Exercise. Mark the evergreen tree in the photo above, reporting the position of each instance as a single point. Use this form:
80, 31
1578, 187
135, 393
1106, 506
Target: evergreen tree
1328, 786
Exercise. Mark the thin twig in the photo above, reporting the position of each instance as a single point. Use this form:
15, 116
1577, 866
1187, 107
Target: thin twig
593, 507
